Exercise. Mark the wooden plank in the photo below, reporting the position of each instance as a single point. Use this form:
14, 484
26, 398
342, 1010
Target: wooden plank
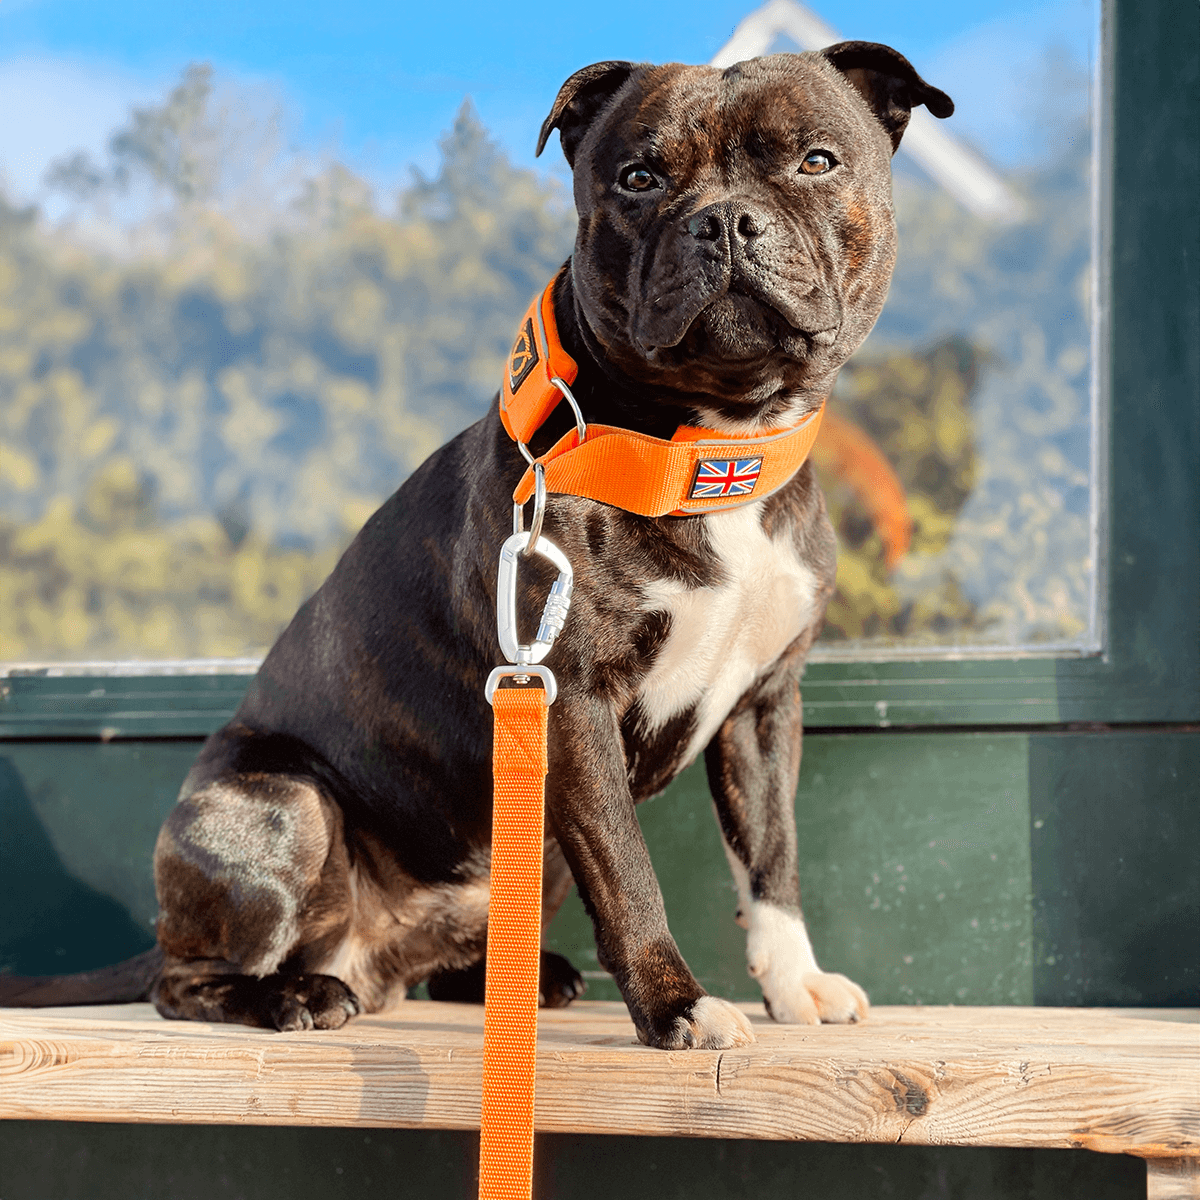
1110, 1080
1173, 1179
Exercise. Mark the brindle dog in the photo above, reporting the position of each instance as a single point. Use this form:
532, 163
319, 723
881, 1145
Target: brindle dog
330, 846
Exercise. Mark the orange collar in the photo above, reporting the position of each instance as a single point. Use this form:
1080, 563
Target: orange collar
698, 470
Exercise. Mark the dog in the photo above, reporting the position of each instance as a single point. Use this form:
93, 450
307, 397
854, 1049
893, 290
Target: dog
330, 847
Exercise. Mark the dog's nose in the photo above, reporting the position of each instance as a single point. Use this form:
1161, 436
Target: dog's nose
712, 222
749, 224
706, 226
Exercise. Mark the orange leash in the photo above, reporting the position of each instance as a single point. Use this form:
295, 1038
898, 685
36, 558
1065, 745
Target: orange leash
519, 764
513, 945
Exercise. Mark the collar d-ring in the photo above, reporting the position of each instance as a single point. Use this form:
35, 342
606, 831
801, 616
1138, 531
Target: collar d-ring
580, 423
539, 474
539, 510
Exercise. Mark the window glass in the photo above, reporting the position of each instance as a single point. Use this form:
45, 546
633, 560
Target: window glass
219, 353
978, 382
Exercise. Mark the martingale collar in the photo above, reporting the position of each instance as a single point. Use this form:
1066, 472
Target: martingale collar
697, 471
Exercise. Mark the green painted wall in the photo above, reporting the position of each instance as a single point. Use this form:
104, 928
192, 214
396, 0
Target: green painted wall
915, 871
1116, 826
938, 868
77, 827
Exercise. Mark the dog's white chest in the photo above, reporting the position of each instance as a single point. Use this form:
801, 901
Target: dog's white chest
723, 638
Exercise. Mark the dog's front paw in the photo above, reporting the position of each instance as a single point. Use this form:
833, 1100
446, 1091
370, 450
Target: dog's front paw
795, 990
816, 997
706, 1024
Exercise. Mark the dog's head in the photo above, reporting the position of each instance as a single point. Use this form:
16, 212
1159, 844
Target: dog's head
736, 234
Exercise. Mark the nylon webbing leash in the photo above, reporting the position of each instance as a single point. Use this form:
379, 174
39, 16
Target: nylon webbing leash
514, 942
519, 764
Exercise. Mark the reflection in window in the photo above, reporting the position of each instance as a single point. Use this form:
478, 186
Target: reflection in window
215, 363
976, 385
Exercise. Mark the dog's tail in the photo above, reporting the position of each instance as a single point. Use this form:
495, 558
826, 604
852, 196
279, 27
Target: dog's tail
123, 983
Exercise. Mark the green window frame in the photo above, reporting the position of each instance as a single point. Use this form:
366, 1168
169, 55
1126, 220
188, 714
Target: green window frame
1149, 369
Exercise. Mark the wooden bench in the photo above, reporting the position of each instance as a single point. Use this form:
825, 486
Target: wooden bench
1122, 1081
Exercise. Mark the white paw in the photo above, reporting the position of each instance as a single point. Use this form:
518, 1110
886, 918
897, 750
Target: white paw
711, 1024
818, 997
795, 990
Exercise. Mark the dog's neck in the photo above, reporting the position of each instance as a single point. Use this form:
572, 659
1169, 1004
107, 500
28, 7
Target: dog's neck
606, 395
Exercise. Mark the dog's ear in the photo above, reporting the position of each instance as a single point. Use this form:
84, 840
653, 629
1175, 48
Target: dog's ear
888, 82
580, 101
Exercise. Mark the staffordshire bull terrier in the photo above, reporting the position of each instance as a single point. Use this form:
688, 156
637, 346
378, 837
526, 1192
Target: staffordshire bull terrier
330, 846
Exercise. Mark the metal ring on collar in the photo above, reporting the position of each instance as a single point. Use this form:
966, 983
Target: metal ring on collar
580, 423
539, 473
539, 509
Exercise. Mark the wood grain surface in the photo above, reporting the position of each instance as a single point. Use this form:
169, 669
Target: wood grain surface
1121, 1081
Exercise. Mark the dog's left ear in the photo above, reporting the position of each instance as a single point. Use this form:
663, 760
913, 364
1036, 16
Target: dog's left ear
580, 101
888, 82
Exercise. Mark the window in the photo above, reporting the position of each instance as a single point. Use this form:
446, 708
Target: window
196, 421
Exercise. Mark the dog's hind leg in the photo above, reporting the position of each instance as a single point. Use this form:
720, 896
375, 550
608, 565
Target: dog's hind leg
251, 874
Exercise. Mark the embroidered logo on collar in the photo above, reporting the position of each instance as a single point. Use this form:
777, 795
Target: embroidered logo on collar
725, 477
524, 356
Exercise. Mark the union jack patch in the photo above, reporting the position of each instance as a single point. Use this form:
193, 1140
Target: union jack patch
725, 477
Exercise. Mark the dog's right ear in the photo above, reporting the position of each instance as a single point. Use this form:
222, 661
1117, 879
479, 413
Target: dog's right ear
889, 83
580, 101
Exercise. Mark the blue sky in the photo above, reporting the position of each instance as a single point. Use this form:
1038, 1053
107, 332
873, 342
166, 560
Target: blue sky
378, 83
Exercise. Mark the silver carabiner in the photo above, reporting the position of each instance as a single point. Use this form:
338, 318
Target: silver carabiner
554, 614
523, 660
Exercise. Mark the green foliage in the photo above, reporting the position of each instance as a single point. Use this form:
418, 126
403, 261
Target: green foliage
106, 578
916, 408
168, 143
189, 435
1021, 548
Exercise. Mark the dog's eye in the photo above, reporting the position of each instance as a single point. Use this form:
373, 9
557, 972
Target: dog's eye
817, 162
638, 179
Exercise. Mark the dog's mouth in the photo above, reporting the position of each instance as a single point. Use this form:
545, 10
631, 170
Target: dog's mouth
739, 325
